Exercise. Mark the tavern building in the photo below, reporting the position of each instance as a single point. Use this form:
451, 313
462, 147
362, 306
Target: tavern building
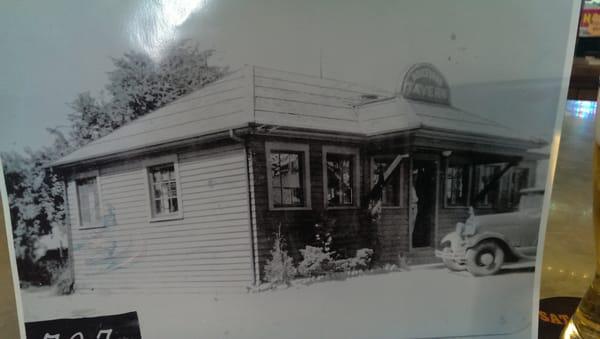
190, 195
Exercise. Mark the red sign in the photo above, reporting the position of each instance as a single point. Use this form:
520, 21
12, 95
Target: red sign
589, 26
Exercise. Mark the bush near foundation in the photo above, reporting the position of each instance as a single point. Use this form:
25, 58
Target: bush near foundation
322, 259
280, 268
361, 261
316, 261
63, 282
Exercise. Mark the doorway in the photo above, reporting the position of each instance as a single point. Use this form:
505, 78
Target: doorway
423, 203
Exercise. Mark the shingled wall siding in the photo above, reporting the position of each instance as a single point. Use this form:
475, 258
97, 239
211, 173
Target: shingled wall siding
393, 234
352, 232
208, 250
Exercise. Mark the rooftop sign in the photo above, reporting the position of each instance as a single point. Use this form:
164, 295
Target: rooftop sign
423, 82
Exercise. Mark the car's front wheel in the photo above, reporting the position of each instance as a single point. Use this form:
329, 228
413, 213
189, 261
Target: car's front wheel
450, 263
485, 258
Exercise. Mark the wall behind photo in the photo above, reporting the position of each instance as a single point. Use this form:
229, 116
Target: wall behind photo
9, 321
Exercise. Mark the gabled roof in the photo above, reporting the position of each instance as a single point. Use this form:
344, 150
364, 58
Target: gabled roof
256, 95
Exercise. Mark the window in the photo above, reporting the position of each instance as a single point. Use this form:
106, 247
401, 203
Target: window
511, 184
288, 176
393, 192
484, 174
504, 193
341, 176
457, 185
88, 201
163, 190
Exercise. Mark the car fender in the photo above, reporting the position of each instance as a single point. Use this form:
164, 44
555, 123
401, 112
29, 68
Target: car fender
451, 238
477, 238
455, 242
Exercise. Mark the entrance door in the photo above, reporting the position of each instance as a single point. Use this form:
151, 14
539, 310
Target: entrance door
423, 203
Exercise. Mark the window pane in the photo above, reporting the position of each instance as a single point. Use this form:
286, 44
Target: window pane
173, 205
287, 187
346, 182
485, 175
277, 199
84, 205
391, 191
158, 207
457, 180
172, 189
164, 189
340, 179
333, 182
164, 174
89, 202
157, 191
511, 184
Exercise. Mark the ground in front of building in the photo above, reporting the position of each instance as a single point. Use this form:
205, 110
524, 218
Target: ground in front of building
370, 306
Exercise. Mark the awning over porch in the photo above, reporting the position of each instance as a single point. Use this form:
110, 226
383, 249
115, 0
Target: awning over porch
442, 122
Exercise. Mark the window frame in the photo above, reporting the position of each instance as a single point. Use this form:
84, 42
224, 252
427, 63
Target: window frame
512, 192
94, 174
156, 162
340, 150
475, 185
468, 185
402, 180
277, 146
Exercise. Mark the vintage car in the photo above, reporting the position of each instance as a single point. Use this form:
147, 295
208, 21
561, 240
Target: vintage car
484, 243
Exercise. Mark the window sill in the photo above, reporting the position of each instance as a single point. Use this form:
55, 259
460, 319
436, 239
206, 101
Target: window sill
91, 227
166, 218
341, 207
275, 209
455, 207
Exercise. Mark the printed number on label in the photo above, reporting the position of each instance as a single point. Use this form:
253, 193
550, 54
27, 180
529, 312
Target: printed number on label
106, 332
102, 334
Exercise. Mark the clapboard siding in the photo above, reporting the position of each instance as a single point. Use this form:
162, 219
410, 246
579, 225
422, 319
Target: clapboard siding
304, 108
296, 100
324, 122
210, 245
346, 90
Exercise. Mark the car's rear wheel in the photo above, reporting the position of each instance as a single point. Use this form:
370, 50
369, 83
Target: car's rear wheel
485, 258
450, 263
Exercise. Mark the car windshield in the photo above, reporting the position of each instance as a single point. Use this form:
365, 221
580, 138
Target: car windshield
531, 200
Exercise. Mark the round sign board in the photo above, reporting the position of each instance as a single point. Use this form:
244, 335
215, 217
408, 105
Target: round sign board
423, 82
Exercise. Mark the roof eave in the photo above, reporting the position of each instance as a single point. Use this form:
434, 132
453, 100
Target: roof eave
522, 143
202, 139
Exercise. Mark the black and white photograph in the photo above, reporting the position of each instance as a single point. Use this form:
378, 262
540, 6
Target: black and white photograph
290, 169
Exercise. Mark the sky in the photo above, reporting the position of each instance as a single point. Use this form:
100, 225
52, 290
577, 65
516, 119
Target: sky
502, 59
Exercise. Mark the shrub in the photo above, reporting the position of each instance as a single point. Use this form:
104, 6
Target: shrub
280, 268
315, 261
63, 282
360, 261
324, 234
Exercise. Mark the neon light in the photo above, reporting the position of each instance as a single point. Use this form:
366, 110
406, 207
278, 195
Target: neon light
581, 109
